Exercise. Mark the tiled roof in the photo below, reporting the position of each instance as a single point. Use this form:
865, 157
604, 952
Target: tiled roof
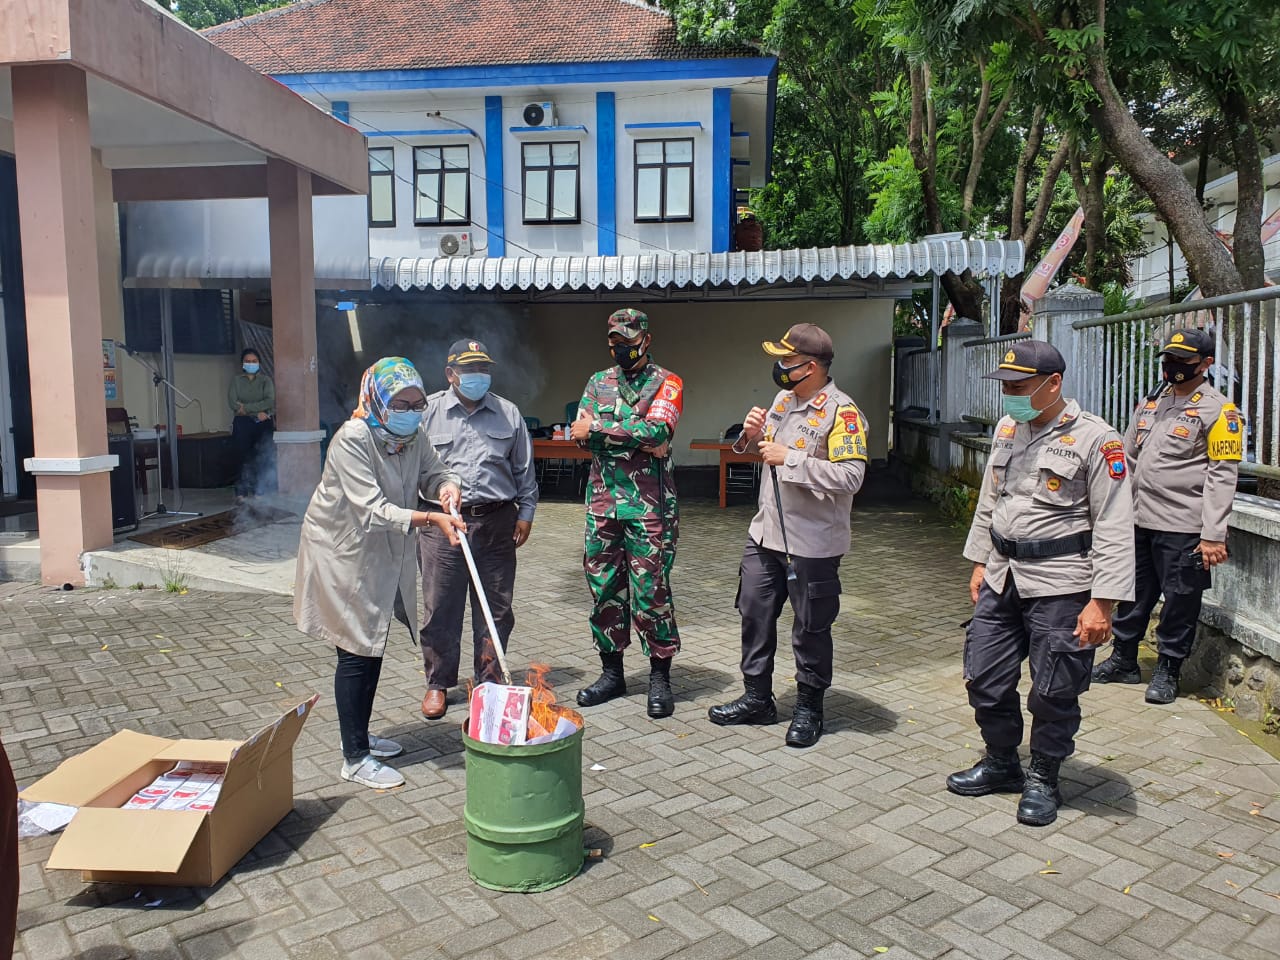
316, 36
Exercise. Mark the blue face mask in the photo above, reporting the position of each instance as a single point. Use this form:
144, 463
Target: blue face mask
474, 386
403, 423
1020, 408
250, 368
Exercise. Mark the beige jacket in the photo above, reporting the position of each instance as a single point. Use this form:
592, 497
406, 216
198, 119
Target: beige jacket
1068, 477
824, 468
357, 550
1185, 455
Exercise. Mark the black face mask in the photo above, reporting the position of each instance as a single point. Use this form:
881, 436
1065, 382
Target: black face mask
628, 354
782, 375
1178, 372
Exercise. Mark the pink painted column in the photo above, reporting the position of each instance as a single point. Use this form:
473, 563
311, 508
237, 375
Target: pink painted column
293, 320
64, 316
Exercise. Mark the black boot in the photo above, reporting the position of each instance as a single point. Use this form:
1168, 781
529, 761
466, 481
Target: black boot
1040, 795
806, 720
661, 701
1164, 680
1120, 667
754, 706
611, 683
997, 772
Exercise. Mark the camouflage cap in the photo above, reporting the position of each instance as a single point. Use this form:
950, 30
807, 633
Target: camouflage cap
628, 322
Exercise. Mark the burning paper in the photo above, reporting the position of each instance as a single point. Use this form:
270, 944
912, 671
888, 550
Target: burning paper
500, 714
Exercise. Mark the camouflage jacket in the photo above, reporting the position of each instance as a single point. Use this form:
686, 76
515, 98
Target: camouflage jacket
629, 413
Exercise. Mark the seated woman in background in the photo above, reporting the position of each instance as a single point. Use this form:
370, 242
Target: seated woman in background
252, 399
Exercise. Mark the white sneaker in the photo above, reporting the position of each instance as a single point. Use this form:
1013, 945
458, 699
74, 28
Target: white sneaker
371, 772
382, 748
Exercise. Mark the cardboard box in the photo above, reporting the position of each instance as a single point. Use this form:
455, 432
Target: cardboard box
185, 848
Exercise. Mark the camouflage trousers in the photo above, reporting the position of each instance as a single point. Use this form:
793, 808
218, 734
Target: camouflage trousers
628, 567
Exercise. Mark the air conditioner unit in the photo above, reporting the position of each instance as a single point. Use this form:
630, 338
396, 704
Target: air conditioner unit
455, 245
540, 114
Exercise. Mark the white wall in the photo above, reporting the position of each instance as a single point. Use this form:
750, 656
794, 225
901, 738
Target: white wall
575, 106
715, 349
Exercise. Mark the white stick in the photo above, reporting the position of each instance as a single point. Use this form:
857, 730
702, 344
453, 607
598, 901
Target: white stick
484, 602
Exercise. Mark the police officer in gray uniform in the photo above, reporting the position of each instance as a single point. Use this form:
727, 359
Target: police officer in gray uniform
482, 438
813, 439
1052, 551
1184, 446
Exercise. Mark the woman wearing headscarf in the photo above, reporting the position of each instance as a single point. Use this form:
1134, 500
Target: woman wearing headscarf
357, 566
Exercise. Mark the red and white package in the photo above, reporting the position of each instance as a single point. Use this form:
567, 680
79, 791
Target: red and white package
500, 714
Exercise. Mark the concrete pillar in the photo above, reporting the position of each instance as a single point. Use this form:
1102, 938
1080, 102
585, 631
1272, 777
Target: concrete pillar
1052, 320
293, 319
64, 316
956, 373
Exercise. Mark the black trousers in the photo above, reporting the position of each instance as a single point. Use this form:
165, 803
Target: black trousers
1007, 629
1166, 566
815, 600
446, 584
247, 435
354, 684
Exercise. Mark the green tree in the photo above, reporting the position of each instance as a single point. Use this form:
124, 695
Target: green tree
201, 14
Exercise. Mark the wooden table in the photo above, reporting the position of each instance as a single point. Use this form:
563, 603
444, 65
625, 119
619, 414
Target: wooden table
727, 456
546, 449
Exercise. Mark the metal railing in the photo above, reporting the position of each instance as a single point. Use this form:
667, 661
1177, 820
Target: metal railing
1118, 363
983, 396
917, 374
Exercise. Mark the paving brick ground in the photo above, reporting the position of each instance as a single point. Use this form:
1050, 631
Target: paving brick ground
719, 843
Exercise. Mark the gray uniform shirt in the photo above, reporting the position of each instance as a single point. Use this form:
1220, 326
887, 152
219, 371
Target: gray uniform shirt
824, 468
1065, 478
1180, 484
488, 447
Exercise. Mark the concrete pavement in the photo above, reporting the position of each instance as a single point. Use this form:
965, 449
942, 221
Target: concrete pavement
719, 843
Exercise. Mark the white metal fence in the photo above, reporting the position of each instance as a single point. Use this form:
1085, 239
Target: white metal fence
1118, 362
983, 356
1115, 363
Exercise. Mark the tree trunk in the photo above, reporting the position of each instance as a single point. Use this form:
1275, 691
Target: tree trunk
1026, 160
981, 132
1089, 191
1250, 258
920, 155
1202, 166
1208, 261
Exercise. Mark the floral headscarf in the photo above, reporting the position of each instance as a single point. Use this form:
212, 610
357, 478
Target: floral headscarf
381, 382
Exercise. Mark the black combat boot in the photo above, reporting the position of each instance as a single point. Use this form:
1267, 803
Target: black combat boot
997, 772
610, 684
1040, 795
661, 701
806, 720
1164, 680
754, 706
1121, 666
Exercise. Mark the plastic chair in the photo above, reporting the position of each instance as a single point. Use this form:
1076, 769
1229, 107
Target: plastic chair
533, 423
571, 411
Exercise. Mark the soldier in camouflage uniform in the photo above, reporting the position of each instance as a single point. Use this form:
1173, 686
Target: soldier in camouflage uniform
627, 418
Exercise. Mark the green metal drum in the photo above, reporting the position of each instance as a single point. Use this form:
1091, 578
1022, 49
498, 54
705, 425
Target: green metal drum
524, 813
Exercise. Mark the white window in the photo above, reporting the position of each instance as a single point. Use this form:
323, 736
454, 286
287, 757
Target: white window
382, 187
550, 172
664, 180
442, 185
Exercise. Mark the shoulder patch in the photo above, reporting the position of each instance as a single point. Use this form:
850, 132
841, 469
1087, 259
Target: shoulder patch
1007, 431
1113, 452
1226, 436
669, 404
848, 438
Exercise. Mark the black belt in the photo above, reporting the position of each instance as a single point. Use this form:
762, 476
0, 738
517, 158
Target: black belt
1041, 549
483, 509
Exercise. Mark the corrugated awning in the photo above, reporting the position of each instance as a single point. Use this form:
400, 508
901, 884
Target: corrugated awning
675, 270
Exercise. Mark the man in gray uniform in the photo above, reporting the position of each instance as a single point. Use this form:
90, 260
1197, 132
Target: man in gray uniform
482, 438
1184, 446
1052, 551
813, 439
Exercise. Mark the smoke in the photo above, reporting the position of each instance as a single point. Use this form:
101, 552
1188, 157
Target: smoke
422, 331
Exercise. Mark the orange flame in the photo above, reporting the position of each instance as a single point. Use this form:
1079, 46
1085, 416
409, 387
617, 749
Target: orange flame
543, 709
